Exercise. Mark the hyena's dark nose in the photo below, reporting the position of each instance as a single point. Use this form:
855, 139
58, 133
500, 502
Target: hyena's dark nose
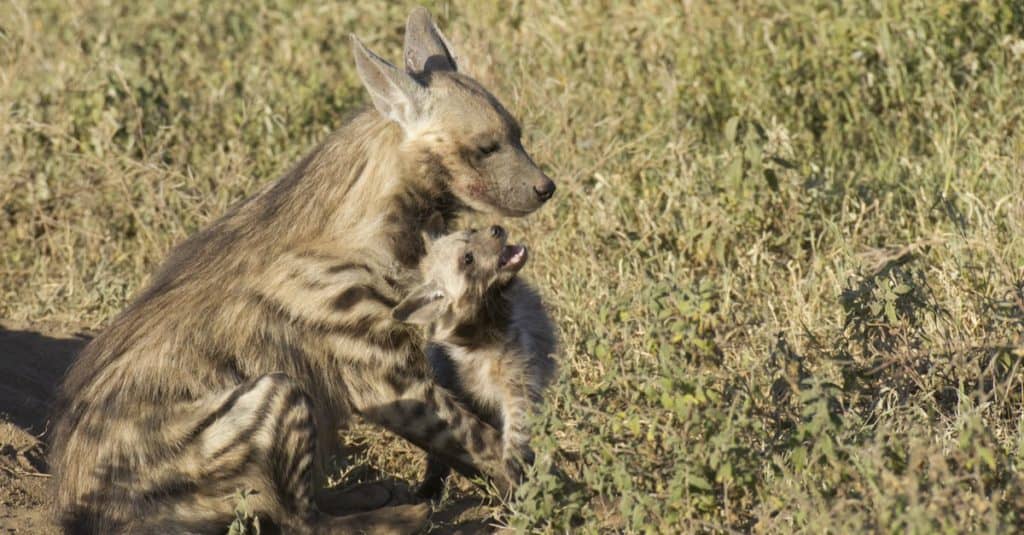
545, 189
497, 232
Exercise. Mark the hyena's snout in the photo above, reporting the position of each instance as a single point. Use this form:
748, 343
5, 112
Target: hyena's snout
510, 257
544, 188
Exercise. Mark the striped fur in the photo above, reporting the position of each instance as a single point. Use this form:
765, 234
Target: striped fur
492, 340
264, 333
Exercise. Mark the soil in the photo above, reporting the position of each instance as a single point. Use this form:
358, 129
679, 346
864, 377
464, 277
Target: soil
32, 362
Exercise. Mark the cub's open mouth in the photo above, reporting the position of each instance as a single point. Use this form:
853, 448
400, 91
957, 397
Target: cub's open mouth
512, 258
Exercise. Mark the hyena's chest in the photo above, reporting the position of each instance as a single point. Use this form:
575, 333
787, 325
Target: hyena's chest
485, 379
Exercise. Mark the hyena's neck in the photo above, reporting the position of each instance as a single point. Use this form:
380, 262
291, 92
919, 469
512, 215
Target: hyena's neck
359, 189
366, 187
487, 328
359, 186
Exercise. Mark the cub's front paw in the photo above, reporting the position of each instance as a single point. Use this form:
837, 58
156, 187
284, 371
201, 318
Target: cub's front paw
517, 460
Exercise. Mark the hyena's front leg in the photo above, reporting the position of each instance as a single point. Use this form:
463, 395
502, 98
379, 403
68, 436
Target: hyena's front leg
258, 437
411, 405
350, 303
445, 376
433, 479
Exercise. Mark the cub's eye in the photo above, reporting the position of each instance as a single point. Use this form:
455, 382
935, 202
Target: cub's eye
488, 149
467, 259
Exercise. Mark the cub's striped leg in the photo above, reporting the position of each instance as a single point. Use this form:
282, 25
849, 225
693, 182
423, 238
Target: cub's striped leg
518, 401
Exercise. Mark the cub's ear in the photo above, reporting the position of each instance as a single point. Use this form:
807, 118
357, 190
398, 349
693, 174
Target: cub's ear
433, 229
394, 93
422, 306
425, 48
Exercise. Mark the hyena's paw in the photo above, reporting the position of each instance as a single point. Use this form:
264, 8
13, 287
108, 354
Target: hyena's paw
432, 488
517, 461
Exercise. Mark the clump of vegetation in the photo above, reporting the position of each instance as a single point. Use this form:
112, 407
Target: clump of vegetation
785, 253
246, 522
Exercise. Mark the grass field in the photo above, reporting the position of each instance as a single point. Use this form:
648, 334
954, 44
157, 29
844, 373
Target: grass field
786, 254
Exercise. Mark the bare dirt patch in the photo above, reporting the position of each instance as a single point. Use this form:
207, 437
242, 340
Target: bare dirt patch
32, 362
24, 500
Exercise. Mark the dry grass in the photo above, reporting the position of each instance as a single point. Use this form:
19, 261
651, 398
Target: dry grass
786, 253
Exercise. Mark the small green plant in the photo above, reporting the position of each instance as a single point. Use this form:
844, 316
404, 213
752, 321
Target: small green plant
245, 522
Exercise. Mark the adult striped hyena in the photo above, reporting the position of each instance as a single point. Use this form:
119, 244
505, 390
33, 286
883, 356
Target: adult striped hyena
263, 333
492, 340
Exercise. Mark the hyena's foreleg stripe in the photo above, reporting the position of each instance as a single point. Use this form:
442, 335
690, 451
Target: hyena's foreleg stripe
431, 418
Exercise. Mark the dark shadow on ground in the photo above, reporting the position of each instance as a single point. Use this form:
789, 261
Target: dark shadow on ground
367, 488
463, 515
466, 515
31, 367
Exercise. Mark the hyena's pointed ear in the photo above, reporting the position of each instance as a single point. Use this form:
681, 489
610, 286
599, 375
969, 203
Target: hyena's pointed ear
426, 49
422, 306
395, 94
433, 229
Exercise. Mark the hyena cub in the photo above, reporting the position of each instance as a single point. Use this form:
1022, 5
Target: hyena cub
491, 339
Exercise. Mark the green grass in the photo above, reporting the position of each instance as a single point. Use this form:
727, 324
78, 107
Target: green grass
786, 254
